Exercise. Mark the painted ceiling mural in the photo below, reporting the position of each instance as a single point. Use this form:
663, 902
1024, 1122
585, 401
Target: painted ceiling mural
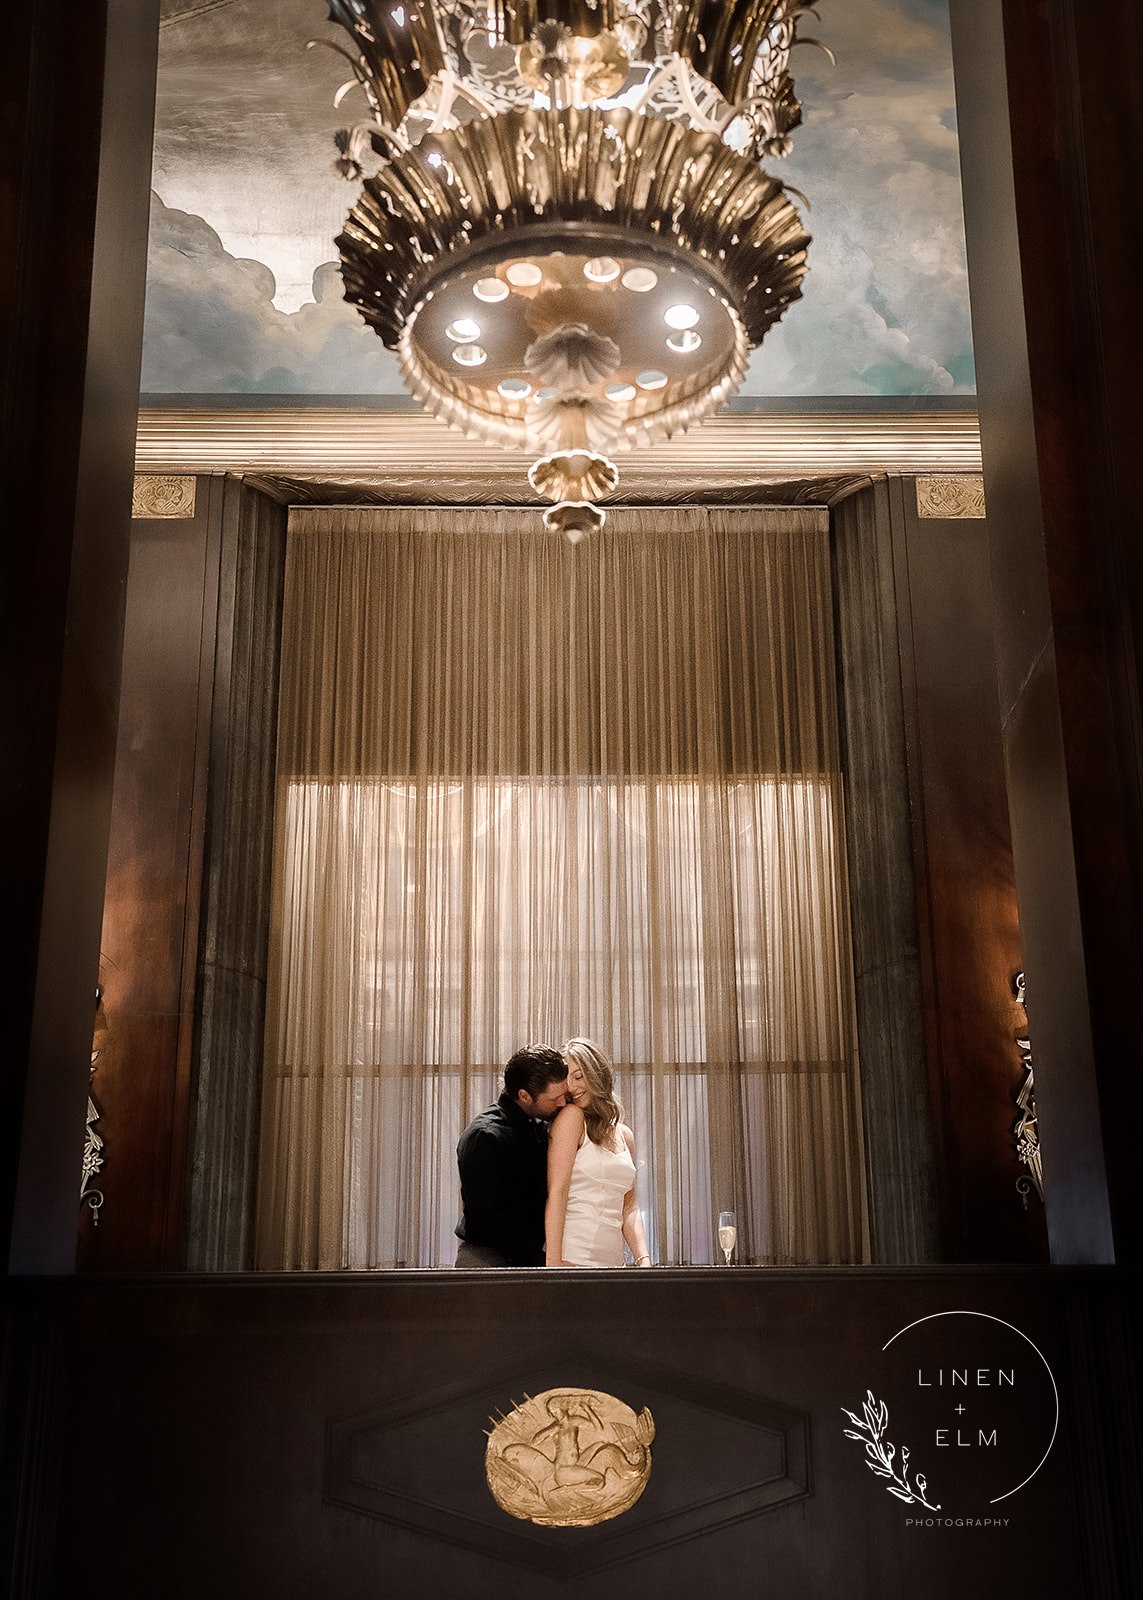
244, 296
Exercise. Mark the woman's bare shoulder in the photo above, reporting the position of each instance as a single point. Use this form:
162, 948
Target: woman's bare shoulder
627, 1136
568, 1120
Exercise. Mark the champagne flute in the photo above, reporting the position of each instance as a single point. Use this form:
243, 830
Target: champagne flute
727, 1233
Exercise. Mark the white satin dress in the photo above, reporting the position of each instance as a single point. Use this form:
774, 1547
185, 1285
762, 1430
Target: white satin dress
593, 1226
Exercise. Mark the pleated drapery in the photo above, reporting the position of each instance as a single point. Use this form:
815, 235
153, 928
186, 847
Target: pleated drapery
528, 790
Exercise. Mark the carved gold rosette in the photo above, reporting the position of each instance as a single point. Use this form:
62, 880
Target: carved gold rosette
569, 1458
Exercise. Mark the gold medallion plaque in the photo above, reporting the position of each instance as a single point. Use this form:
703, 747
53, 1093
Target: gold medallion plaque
569, 1458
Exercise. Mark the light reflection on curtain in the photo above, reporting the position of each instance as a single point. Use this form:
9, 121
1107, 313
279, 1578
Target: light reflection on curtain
528, 790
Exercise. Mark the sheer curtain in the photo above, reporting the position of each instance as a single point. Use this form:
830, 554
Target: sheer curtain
528, 790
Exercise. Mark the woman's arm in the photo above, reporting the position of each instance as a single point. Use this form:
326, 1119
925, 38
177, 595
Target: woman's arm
632, 1216
563, 1142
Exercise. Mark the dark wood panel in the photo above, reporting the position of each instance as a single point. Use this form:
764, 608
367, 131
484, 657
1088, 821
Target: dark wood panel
154, 873
970, 941
324, 1436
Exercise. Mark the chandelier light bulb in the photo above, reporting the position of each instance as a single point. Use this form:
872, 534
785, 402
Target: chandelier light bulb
462, 331
680, 316
469, 355
683, 343
602, 269
639, 279
523, 274
490, 290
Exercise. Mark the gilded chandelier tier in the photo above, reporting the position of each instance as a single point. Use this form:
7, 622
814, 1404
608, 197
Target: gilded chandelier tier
564, 231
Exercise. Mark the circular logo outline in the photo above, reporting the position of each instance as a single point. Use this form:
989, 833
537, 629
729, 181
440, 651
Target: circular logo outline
988, 1317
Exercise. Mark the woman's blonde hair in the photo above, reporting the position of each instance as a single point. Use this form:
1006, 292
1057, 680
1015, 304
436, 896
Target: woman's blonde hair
603, 1113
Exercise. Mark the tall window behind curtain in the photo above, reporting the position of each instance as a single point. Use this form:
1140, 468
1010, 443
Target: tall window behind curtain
529, 790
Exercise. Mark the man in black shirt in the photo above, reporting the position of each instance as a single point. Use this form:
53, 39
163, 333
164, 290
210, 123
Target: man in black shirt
503, 1160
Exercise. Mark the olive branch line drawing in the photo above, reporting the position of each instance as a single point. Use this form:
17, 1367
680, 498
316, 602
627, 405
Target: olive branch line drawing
879, 1454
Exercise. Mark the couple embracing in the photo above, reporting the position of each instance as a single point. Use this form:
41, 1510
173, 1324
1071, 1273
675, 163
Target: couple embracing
547, 1174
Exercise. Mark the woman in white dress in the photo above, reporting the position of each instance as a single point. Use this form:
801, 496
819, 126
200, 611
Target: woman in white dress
591, 1211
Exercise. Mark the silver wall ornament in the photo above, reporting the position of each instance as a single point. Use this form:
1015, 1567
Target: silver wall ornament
1025, 1131
89, 1194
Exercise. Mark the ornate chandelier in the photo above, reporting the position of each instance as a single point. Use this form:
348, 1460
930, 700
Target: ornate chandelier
565, 232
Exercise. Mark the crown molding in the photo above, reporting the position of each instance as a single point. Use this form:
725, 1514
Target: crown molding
387, 447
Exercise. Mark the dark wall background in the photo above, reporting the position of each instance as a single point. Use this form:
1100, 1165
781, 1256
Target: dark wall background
325, 1436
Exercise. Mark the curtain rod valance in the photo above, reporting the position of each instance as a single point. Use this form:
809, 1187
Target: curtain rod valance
665, 519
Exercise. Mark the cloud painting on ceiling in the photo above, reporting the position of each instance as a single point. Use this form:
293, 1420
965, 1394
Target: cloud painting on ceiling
244, 296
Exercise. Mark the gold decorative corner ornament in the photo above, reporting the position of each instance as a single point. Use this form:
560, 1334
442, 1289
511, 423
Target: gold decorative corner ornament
569, 1458
163, 497
950, 498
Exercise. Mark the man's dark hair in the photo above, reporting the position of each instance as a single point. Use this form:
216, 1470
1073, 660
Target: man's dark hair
533, 1069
